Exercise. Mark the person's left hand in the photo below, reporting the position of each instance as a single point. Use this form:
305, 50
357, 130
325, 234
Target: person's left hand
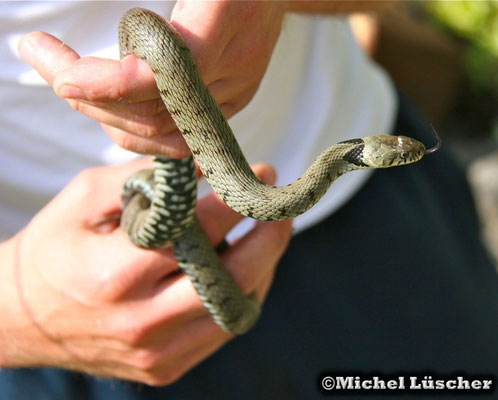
231, 41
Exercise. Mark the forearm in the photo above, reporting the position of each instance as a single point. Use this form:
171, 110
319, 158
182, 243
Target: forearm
337, 7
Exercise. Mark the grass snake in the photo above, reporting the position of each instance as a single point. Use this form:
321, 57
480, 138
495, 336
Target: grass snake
159, 204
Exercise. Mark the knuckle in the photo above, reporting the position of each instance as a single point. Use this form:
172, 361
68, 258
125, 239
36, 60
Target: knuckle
204, 65
146, 360
245, 98
131, 328
75, 105
131, 333
84, 182
109, 287
256, 54
151, 130
146, 109
117, 93
147, 129
246, 277
124, 140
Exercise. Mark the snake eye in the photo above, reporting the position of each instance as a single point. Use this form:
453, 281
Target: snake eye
404, 154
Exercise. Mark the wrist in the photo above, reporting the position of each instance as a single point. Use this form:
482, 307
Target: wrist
21, 341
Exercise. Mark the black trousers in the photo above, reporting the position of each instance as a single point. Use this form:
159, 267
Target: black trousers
396, 280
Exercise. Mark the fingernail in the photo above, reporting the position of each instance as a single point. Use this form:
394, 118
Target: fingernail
70, 92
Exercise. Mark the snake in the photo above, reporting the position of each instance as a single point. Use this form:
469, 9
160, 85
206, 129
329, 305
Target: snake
159, 203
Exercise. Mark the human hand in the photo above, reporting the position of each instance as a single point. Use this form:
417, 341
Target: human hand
77, 294
232, 43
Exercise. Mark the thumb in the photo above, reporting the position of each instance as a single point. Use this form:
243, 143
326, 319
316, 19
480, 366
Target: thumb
46, 54
107, 81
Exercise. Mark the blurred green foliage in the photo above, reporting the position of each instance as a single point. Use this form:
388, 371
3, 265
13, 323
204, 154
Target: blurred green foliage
477, 23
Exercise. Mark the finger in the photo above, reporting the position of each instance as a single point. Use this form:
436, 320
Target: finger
232, 94
251, 259
46, 54
191, 359
217, 218
157, 122
102, 80
192, 343
101, 186
226, 89
163, 353
123, 108
263, 286
88, 78
172, 145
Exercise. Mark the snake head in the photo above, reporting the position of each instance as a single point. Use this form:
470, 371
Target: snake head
385, 151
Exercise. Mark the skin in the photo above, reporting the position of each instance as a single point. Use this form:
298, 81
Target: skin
74, 292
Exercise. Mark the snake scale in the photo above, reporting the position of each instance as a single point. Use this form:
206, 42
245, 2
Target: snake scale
159, 204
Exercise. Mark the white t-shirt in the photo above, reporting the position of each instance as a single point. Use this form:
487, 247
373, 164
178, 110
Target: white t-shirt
319, 89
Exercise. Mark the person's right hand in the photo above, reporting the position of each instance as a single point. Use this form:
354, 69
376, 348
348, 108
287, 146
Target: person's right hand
75, 293
231, 41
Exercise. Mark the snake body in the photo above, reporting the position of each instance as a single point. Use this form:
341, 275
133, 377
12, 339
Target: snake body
159, 204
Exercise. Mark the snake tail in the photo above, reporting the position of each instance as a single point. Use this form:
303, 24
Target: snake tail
233, 311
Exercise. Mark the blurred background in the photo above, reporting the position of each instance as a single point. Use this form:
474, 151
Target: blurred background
444, 56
